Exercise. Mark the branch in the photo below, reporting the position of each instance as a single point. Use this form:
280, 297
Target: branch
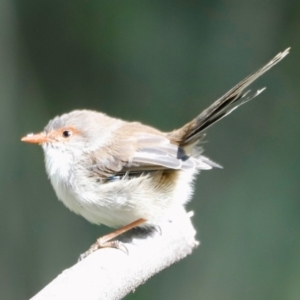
112, 274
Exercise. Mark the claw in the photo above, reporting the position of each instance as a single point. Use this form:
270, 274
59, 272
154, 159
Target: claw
157, 228
107, 242
100, 245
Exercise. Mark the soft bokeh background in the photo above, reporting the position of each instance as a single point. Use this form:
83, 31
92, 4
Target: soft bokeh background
160, 62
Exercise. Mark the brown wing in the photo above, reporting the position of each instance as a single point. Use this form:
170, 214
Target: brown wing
142, 152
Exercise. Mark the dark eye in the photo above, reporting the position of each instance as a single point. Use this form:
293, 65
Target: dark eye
66, 133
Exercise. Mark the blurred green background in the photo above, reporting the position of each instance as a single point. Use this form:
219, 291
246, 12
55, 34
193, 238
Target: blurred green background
160, 62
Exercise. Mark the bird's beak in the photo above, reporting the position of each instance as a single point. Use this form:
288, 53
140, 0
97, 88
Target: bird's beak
38, 138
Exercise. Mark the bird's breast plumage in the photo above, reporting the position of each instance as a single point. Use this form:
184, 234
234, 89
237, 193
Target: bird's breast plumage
153, 196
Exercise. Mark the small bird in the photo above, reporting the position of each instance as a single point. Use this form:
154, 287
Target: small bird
127, 174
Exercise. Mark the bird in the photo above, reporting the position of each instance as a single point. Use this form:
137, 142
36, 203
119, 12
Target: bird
126, 174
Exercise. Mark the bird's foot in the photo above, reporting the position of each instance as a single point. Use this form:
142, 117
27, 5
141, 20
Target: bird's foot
107, 241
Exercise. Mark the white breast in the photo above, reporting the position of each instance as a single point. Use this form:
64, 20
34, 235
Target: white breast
59, 166
117, 203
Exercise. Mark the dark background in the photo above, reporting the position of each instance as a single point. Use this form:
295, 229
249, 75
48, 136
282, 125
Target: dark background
160, 62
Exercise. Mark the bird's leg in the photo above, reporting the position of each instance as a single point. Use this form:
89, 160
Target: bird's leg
106, 240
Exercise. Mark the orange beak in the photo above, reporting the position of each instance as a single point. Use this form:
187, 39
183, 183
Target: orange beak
38, 138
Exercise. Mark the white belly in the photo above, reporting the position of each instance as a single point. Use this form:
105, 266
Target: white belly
116, 204
120, 202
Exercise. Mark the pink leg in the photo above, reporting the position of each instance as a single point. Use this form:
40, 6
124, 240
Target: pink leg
106, 240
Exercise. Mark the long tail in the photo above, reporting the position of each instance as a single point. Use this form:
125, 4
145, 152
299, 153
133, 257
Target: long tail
193, 131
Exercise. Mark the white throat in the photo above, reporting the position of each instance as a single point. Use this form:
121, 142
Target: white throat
58, 162
59, 166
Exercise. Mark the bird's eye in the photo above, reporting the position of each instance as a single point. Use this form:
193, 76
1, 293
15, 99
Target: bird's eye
66, 133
